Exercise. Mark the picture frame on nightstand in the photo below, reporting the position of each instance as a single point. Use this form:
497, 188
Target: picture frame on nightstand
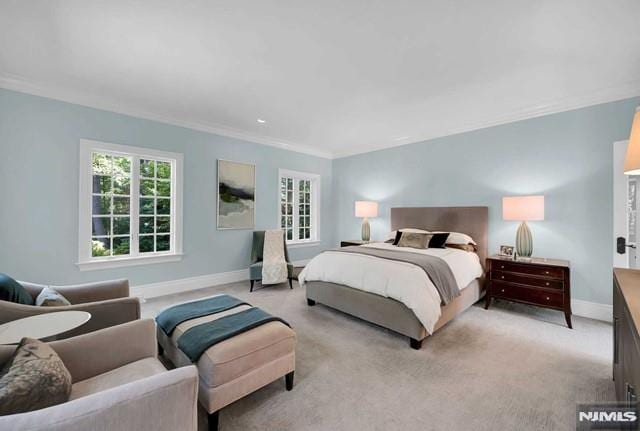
506, 250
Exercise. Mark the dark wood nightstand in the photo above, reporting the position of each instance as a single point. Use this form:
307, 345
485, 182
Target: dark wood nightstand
541, 282
350, 242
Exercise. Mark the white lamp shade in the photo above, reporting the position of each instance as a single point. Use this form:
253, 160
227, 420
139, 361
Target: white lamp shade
632, 160
366, 209
523, 208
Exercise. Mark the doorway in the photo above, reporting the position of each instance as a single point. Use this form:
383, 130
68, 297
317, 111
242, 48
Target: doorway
626, 199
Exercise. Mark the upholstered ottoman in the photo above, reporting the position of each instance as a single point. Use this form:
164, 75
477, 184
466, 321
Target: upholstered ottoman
237, 366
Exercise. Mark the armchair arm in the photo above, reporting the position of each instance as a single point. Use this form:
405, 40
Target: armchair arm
103, 314
86, 292
93, 292
91, 354
164, 402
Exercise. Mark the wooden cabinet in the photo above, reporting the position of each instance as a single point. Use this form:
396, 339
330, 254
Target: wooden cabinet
540, 282
626, 342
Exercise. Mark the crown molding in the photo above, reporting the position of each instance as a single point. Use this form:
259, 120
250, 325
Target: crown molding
25, 86
609, 94
605, 95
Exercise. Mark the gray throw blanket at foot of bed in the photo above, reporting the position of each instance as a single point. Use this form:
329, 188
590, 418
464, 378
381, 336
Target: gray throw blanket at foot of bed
436, 269
173, 316
195, 341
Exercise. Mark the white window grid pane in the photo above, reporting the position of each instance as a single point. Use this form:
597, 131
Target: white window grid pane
155, 214
286, 205
110, 171
148, 235
155, 170
296, 207
111, 174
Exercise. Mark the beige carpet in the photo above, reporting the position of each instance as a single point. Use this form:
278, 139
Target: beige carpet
510, 368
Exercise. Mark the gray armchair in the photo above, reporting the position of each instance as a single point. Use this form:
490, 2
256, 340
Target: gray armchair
108, 302
118, 385
255, 269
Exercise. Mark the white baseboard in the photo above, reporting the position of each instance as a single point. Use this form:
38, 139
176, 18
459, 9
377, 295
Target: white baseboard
186, 284
162, 288
592, 310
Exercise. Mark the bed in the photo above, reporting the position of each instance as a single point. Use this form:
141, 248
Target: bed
390, 294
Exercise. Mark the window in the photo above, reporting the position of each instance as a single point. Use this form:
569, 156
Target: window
299, 206
130, 205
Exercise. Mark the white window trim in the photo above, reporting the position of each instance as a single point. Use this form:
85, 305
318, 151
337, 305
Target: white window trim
315, 207
85, 261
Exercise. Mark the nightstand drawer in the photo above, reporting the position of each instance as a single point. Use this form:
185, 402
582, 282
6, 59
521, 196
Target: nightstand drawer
543, 271
512, 277
527, 294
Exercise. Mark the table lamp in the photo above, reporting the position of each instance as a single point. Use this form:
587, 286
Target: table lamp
366, 209
523, 209
632, 160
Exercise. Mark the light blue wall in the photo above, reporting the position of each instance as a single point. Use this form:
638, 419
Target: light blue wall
567, 157
39, 145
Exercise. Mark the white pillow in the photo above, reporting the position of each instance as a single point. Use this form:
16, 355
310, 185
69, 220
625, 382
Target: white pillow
460, 238
49, 297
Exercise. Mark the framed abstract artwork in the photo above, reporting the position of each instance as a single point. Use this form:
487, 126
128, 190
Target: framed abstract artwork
236, 195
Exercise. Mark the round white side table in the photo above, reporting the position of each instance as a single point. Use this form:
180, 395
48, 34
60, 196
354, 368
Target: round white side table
42, 325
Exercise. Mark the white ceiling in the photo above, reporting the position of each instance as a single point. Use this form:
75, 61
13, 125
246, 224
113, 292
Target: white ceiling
330, 77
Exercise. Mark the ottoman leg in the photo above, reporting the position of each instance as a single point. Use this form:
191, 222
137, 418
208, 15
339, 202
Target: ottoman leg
160, 349
311, 302
291, 283
288, 379
415, 344
251, 290
213, 420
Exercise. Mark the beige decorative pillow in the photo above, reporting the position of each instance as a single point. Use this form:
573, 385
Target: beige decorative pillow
34, 378
49, 297
414, 240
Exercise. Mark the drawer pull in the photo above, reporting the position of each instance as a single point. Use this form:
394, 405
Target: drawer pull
547, 283
501, 266
502, 291
546, 272
502, 276
548, 298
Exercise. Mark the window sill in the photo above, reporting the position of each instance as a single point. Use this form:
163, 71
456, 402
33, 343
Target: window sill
128, 261
297, 244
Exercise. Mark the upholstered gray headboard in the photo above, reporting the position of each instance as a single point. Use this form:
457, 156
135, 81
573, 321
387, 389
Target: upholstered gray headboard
473, 221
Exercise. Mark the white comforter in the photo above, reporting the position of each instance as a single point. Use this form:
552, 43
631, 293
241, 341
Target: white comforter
401, 281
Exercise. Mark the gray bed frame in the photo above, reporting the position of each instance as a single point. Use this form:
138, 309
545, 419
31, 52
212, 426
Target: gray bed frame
392, 314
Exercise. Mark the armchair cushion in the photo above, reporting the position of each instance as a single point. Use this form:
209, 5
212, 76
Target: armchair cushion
11, 290
33, 379
130, 372
50, 298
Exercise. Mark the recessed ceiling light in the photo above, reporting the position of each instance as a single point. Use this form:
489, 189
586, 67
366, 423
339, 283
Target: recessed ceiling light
261, 121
